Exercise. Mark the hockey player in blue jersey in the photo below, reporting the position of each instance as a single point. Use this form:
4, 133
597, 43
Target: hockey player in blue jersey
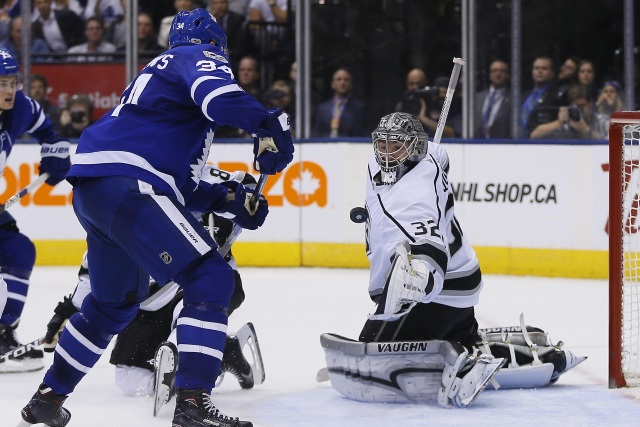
19, 114
136, 178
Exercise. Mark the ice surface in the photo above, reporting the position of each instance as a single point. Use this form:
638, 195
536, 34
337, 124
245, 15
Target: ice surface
290, 308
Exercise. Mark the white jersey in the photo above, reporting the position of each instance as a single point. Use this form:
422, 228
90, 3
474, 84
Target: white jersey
419, 208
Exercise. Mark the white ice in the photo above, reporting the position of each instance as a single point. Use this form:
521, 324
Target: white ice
290, 308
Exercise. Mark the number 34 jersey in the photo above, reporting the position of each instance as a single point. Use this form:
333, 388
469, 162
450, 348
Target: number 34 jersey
162, 130
419, 208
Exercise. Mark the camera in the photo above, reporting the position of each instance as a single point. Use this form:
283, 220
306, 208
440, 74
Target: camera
274, 94
574, 114
77, 116
410, 102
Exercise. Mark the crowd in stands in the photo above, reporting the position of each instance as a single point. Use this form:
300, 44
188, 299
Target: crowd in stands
568, 102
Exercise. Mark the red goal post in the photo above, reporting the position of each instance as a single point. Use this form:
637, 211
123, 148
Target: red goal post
624, 249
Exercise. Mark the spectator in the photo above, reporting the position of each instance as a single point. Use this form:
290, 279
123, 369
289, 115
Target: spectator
77, 116
147, 39
240, 7
280, 95
14, 43
426, 102
492, 116
60, 28
109, 11
94, 32
342, 114
165, 24
249, 80
39, 92
540, 104
609, 100
568, 74
416, 81
586, 76
271, 39
577, 121
249, 76
268, 11
233, 25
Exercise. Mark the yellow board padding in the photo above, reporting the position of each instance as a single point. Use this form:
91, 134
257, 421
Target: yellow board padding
493, 260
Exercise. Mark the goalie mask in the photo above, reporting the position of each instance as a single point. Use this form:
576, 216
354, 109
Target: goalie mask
196, 27
399, 142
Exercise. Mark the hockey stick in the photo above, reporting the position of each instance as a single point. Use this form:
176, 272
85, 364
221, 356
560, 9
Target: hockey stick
455, 73
19, 351
26, 190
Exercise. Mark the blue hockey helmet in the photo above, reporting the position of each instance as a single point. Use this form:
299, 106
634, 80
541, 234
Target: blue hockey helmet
8, 64
196, 27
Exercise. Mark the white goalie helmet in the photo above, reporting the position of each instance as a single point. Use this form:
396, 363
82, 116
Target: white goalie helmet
399, 142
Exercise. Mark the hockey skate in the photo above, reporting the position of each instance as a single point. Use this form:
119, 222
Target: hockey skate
45, 407
248, 372
30, 360
194, 409
164, 369
461, 386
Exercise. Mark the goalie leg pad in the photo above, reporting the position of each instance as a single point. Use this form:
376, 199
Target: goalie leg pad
406, 371
533, 360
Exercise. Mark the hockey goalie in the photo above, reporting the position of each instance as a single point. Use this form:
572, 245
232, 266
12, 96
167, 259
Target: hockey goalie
421, 342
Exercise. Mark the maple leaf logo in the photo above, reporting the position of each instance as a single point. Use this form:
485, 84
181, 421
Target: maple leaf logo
196, 169
306, 184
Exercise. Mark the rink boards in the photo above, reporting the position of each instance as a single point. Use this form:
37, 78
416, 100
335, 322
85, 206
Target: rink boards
527, 209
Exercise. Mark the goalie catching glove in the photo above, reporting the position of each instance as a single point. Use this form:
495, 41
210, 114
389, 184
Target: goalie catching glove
55, 161
273, 144
239, 204
408, 282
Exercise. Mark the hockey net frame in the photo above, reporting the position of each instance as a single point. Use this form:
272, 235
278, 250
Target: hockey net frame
624, 249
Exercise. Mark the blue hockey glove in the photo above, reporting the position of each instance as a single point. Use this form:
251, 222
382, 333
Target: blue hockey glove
273, 144
55, 161
238, 204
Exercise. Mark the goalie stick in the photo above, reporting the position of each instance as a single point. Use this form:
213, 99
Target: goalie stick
26, 190
455, 73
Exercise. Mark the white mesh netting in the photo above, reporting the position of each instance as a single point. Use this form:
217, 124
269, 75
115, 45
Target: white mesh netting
631, 252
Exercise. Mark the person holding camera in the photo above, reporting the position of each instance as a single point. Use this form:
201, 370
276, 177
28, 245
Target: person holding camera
576, 121
426, 103
77, 116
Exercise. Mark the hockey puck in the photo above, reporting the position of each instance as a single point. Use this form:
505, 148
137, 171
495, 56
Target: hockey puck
358, 215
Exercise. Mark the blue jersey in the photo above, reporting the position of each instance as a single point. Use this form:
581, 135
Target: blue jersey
162, 130
25, 116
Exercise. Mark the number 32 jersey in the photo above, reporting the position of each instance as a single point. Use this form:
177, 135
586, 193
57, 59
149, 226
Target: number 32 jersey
419, 208
162, 130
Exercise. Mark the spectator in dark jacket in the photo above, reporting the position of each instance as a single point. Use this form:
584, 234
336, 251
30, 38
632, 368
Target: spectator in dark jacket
60, 28
341, 115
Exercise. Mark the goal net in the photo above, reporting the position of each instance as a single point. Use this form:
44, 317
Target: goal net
624, 249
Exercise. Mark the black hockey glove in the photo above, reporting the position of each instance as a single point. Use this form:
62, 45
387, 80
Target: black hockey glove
273, 145
55, 161
63, 312
238, 204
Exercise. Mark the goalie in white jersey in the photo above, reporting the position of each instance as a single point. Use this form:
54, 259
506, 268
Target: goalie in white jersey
422, 340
